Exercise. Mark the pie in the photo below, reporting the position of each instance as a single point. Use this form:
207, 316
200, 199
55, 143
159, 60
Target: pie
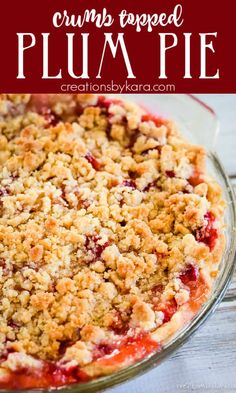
111, 233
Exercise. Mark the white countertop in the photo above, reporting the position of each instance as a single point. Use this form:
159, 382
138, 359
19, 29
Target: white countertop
206, 363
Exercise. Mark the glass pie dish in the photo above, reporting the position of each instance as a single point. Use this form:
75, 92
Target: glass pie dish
199, 124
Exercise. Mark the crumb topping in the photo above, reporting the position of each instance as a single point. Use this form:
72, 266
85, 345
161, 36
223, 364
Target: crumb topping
106, 215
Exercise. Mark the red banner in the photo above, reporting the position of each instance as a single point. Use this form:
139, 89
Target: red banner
117, 46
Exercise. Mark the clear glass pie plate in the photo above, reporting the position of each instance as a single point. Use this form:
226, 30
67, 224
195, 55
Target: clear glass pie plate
199, 124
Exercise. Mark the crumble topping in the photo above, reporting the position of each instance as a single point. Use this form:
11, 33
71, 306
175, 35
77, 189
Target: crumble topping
107, 215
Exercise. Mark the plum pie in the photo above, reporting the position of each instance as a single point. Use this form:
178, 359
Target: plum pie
111, 232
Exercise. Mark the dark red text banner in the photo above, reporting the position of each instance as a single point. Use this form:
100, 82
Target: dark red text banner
46, 47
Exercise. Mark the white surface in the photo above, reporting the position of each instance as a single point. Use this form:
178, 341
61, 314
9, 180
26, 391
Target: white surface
207, 363
224, 106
